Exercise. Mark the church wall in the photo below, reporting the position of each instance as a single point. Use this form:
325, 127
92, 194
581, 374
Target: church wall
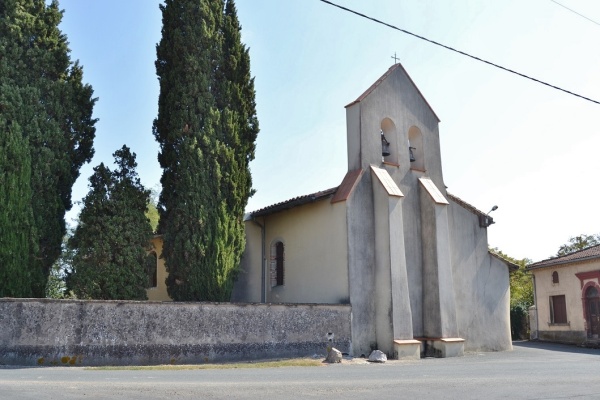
315, 253
361, 266
248, 286
413, 247
398, 100
353, 136
481, 285
382, 293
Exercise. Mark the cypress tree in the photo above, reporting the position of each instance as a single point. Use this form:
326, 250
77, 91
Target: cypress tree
56, 118
17, 233
112, 238
206, 129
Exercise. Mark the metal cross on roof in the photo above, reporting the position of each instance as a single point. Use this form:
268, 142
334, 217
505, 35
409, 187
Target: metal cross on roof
395, 58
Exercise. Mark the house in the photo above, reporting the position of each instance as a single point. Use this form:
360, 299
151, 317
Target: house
411, 259
566, 296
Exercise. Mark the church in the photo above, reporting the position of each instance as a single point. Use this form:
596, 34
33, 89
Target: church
410, 258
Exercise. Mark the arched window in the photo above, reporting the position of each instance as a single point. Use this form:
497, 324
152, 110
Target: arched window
415, 149
555, 277
277, 264
151, 270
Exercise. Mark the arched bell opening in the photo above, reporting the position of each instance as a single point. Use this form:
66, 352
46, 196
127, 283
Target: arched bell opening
415, 152
389, 141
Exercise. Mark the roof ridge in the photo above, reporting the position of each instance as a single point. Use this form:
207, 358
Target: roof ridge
387, 73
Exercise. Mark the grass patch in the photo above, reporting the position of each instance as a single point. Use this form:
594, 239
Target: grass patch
292, 362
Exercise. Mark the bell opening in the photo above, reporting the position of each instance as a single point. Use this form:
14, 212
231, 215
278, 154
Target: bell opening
385, 146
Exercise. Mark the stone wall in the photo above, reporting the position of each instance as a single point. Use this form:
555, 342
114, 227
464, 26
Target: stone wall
75, 332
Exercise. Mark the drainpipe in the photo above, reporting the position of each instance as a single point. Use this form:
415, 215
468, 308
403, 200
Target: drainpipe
263, 286
535, 303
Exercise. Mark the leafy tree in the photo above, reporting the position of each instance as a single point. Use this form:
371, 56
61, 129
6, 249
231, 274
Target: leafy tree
56, 287
152, 210
113, 236
521, 282
206, 129
577, 243
55, 116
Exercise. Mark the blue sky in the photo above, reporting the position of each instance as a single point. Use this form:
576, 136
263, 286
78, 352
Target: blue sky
505, 140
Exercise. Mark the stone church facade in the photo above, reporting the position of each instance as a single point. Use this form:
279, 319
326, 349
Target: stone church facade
411, 259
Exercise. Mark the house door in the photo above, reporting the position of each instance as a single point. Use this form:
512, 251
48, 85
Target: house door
592, 306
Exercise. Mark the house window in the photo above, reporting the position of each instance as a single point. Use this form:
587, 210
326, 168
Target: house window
151, 269
558, 310
277, 264
555, 277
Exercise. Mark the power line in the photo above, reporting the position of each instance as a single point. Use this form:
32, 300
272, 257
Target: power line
460, 52
575, 12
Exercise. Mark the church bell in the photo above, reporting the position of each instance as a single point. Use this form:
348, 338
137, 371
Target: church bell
412, 156
385, 146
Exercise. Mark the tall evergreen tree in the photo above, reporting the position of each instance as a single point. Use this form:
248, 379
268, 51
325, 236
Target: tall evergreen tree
17, 231
206, 129
56, 117
112, 238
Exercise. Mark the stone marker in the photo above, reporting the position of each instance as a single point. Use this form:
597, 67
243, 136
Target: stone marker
377, 356
334, 356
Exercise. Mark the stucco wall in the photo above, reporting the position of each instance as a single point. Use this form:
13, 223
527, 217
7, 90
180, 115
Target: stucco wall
395, 105
481, 285
72, 332
315, 256
248, 286
569, 285
159, 293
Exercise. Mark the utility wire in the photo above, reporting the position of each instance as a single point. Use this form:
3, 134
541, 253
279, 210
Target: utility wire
460, 52
575, 12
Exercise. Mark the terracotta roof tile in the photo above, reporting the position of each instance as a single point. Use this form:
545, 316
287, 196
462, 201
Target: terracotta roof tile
347, 186
589, 253
511, 266
291, 203
466, 205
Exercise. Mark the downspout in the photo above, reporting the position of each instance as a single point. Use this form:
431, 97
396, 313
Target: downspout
263, 286
535, 303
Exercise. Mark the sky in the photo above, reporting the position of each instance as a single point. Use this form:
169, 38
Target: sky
505, 140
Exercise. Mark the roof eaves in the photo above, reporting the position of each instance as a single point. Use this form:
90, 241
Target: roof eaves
467, 206
295, 202
587, 254
511, 265
539, 265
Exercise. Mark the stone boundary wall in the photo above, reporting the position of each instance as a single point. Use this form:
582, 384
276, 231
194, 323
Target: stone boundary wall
77, 332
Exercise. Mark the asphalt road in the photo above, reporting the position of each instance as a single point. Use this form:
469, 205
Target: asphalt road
530, 371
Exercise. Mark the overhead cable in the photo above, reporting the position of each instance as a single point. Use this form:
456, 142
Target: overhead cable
575, 12
460, 52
